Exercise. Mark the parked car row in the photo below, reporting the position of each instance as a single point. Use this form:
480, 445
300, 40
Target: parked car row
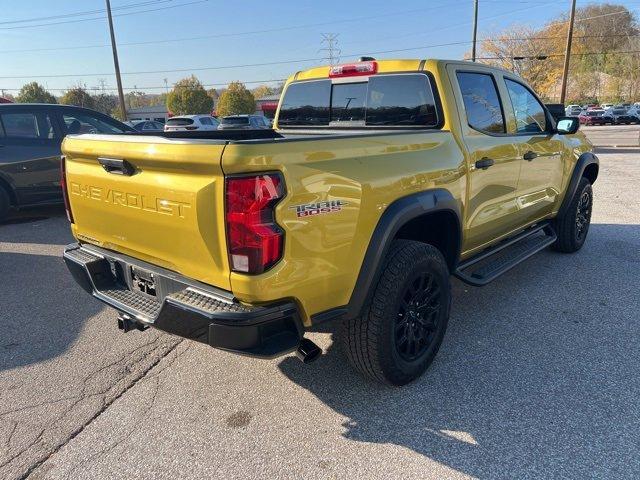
606, 113
207, 122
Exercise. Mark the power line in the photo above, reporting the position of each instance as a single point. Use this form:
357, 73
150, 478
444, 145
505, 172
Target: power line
271, 80
86, 12
223, 35
532, 57
260, 64
103, 17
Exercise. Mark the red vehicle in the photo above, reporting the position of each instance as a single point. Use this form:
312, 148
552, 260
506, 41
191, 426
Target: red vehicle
594, 117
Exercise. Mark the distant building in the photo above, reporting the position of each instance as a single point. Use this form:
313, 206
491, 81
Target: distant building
267, 105
159, 113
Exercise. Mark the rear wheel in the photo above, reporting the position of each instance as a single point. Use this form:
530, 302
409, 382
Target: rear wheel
573, 226
398, 333
5, 203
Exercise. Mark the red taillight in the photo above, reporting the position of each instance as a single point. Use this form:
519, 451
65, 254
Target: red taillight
63, 184
254, 239
353, 69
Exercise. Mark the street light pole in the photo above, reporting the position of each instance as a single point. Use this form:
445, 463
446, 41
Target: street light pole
567, 54
123, 107
475, 30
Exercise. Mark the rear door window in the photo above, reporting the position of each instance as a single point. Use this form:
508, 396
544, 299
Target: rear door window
380, 100
33, 125
481, 102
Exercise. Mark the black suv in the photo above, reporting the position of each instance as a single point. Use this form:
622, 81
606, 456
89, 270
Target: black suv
30, 138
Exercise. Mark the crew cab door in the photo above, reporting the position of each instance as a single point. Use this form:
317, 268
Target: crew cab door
493, 157
540, 149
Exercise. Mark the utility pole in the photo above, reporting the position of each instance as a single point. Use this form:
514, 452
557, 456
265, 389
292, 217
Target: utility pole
333, 52
123, 107
475, 30
567, 53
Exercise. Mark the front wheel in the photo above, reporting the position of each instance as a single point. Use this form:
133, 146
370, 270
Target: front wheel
398, 333
573, 226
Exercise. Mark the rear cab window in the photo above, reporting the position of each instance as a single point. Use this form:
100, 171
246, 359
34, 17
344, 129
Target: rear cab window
383, 100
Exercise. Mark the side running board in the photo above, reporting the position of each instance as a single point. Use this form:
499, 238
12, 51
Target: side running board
494, 261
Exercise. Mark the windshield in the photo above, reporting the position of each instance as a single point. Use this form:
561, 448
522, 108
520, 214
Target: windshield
382, 100
594, 113
619, 111
235, 121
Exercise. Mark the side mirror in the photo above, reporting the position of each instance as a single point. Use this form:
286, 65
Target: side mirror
567, 125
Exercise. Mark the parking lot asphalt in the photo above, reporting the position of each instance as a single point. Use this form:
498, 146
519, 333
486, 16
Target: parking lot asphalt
613, 135
537, 377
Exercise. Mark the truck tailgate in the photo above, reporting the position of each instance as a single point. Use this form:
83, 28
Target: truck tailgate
167, 210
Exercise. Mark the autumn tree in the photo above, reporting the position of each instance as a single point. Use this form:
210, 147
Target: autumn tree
34, 93
263, 91
189, 97
599, 66
105, 103
79, 97
236, 100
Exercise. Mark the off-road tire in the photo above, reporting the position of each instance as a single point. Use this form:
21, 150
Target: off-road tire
5, 203
570, 236
370, 340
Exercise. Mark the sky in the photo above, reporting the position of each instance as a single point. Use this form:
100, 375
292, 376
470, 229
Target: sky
60, 45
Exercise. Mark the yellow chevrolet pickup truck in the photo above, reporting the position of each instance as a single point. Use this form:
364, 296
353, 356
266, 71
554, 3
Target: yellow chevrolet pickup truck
379, 181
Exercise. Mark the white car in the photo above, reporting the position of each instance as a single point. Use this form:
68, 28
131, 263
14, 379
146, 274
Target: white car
573, 110
191, 122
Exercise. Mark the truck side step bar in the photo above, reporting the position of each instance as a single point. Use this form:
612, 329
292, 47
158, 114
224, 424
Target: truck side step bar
494, 261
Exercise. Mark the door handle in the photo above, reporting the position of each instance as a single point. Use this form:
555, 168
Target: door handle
117, 166
484, 163
529, 156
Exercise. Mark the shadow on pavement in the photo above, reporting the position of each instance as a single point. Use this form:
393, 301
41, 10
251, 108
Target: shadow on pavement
537, 376
43, 225
33, 214
42, 310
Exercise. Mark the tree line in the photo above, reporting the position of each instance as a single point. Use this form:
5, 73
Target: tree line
188, 96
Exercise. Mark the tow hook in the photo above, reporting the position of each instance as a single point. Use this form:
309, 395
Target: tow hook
126, 324
308, 351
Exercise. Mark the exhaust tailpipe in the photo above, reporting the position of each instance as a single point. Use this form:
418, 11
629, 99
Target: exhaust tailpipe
308, 351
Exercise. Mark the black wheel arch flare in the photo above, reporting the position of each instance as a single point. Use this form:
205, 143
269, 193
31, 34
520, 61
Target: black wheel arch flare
396, 215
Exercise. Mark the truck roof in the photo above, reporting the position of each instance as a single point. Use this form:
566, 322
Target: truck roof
385, 66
